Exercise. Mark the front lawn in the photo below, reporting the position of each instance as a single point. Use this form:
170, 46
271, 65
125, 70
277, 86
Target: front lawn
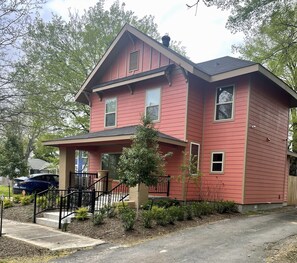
4, 190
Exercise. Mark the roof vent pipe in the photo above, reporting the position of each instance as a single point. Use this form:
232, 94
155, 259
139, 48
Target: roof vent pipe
166, 40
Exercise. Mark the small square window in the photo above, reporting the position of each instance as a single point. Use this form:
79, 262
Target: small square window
224, 103
217, 162
133, 62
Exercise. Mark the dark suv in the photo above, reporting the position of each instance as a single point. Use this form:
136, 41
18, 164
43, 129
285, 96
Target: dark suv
36, 183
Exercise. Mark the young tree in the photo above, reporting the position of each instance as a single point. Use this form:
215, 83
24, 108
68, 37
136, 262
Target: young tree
12, 161
142, 162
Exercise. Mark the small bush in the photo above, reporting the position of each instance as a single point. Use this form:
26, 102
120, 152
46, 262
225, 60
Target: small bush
7, 203
41, 202
188, 212
180, 213
81, 213
147, 217
165, 203
161, 216
173, 214
225, 207
120, 207
26, 200
196, 209
16, 199
111, 211
98, 218
128, 217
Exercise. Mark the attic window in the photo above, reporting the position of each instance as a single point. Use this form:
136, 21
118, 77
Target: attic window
133, 62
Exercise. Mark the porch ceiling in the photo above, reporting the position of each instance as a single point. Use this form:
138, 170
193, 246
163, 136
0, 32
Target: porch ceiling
111, 135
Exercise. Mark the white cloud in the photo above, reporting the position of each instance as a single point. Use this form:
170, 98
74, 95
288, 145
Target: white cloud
204, 35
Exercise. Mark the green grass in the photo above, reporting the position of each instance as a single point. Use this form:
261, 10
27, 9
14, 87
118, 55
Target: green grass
4, 190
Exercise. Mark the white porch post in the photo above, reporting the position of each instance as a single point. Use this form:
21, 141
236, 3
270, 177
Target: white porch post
66, 165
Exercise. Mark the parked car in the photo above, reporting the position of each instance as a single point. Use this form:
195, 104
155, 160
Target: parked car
36, 183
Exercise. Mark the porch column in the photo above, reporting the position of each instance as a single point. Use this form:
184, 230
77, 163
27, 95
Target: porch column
138, 194
66, 165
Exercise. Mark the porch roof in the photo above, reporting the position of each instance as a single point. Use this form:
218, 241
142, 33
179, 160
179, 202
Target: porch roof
117, 134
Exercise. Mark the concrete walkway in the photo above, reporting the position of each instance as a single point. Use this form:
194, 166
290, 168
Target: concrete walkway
46, 237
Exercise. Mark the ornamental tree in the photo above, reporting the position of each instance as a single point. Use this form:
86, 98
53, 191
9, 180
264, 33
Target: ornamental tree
142, 162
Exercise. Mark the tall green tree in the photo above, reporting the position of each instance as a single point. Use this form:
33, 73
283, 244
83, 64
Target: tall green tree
142, 162
60, 54
12, 159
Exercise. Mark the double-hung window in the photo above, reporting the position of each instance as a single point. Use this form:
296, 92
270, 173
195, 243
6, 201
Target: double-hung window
194, 158
224, 103
217, 162
110, 112
133, 61
152, 104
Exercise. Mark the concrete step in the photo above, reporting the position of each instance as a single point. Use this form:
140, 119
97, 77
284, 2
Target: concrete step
47, 222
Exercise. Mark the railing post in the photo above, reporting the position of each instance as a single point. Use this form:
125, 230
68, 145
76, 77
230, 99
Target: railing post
106, 183
168, 185
60, 212
93, 193
79, 201
34, 211
70, 176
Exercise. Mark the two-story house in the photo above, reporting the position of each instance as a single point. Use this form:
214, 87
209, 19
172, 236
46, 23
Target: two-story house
232, 113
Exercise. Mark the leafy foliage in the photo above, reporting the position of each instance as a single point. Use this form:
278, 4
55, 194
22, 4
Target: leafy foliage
142, 162
128, 217
12, 161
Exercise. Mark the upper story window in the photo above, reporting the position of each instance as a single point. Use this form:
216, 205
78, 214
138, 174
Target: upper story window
224, 103
217, 162
110, 112
194, 158
133, 62
152, 104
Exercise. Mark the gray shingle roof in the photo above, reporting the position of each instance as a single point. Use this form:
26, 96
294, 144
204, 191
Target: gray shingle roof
223, 64
128, 130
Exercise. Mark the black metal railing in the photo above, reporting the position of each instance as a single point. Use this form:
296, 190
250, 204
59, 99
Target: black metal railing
162, 187
47, 200
82, 180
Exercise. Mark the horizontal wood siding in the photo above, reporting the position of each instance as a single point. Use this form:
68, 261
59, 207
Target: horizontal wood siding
266, 169
228, 137
131, 107
194, 130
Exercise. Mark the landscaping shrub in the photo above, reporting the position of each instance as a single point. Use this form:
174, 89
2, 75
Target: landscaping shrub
147, 217
196, 209
161, 216
173, 214
225, 207
128, 217
26, 199
111, 211
165, 203
98, 218
41, 202
81, 213
7, 203
121, 206
16, 199
180, 213
188, 211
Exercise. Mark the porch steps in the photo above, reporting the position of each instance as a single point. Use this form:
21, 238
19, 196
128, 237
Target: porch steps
51, 219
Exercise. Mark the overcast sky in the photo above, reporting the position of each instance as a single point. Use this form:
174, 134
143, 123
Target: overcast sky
204, 35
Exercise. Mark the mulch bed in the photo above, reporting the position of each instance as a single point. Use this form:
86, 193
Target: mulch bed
110, 231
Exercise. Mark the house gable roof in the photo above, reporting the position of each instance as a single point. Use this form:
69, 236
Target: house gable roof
210, 71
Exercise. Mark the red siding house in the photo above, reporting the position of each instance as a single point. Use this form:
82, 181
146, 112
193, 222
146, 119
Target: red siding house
232, 113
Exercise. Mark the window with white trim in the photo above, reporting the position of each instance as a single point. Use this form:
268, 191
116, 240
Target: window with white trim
152, 104
224, 103
110, 112
194, 158
217, 162
133, 61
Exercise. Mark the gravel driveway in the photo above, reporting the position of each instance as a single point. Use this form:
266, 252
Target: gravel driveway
231, 240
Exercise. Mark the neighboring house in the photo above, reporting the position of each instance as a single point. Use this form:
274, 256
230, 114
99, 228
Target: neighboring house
36, 165
232, 113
